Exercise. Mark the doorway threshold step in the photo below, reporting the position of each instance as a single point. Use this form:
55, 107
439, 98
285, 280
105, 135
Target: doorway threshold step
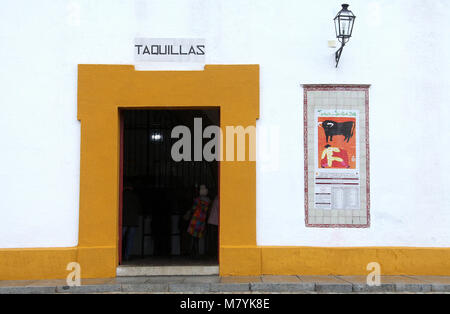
197, 270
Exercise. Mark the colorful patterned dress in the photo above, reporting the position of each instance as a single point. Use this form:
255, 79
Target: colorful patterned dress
198, 221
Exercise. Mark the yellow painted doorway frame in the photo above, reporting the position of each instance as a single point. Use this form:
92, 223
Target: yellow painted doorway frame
105, 89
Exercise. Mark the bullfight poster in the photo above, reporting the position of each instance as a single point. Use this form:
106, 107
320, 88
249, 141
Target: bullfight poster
337, 177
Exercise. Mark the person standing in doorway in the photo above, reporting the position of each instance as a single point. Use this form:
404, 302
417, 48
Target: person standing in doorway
131, 209
197, 224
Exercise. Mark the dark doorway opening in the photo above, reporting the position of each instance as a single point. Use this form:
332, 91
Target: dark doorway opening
160, 197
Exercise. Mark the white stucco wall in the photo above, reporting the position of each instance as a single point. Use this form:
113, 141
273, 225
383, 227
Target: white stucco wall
401, 47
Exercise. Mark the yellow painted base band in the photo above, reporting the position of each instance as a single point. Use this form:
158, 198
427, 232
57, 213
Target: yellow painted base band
99, 262
36, 263
51, 263
244, 261
240, 261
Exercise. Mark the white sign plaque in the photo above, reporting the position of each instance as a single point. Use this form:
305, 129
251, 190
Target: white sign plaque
182, 50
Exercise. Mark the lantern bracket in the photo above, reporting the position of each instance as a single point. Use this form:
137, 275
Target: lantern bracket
338, 53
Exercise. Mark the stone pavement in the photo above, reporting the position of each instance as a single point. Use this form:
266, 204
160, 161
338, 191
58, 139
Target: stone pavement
216, 284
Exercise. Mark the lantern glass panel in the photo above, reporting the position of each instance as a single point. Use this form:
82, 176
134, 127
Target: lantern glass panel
346, 26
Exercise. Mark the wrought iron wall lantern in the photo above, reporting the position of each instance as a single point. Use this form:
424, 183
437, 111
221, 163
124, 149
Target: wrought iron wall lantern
343, 24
